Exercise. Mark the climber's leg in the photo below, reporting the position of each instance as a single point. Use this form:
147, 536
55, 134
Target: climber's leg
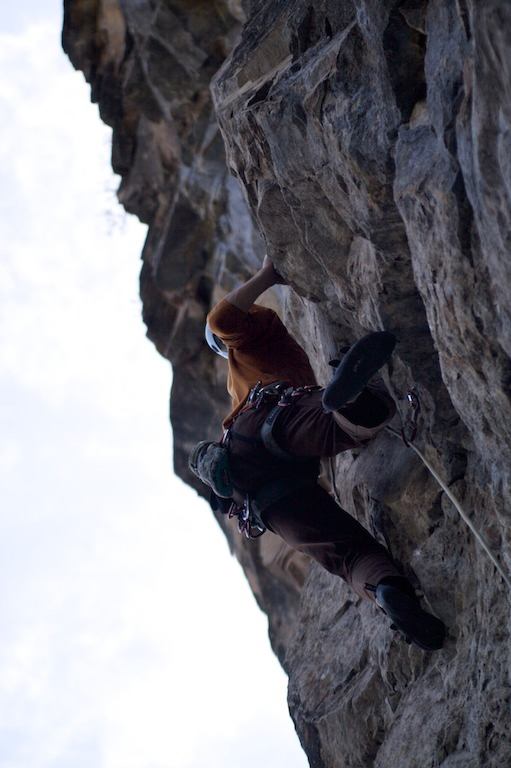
310, 521
304, 429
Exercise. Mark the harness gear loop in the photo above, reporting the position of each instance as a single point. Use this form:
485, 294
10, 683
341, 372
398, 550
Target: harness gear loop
414, 400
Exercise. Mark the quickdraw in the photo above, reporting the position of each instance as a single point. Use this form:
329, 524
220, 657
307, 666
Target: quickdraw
413, 399
245, 523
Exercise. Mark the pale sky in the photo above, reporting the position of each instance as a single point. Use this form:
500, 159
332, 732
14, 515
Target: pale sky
117, 649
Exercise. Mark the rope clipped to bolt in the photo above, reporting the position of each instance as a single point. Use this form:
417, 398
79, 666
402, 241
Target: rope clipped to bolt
408, 434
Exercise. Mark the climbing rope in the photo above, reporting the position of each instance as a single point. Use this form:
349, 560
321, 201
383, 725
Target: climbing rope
408, 441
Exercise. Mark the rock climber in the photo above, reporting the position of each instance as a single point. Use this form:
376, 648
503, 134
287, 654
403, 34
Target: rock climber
265, 470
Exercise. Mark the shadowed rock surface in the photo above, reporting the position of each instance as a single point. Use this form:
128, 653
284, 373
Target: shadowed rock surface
366, 146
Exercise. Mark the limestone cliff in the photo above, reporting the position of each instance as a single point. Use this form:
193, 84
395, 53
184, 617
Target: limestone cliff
366, 146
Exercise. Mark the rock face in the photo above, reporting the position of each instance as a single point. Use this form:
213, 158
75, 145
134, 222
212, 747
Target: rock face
366, 146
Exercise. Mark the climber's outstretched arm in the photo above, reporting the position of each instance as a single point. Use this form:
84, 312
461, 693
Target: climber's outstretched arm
265, 278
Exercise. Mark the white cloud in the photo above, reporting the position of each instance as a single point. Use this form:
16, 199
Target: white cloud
124, 619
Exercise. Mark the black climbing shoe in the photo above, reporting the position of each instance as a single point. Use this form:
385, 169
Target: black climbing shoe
408, 618
357, 367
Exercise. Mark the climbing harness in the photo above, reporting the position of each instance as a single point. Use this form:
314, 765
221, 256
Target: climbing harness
301, 473
408, 434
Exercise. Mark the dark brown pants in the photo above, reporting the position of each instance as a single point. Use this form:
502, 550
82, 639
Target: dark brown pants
304, 429
310, 521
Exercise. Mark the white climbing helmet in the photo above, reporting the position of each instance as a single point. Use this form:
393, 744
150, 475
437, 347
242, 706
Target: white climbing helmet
216, 344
